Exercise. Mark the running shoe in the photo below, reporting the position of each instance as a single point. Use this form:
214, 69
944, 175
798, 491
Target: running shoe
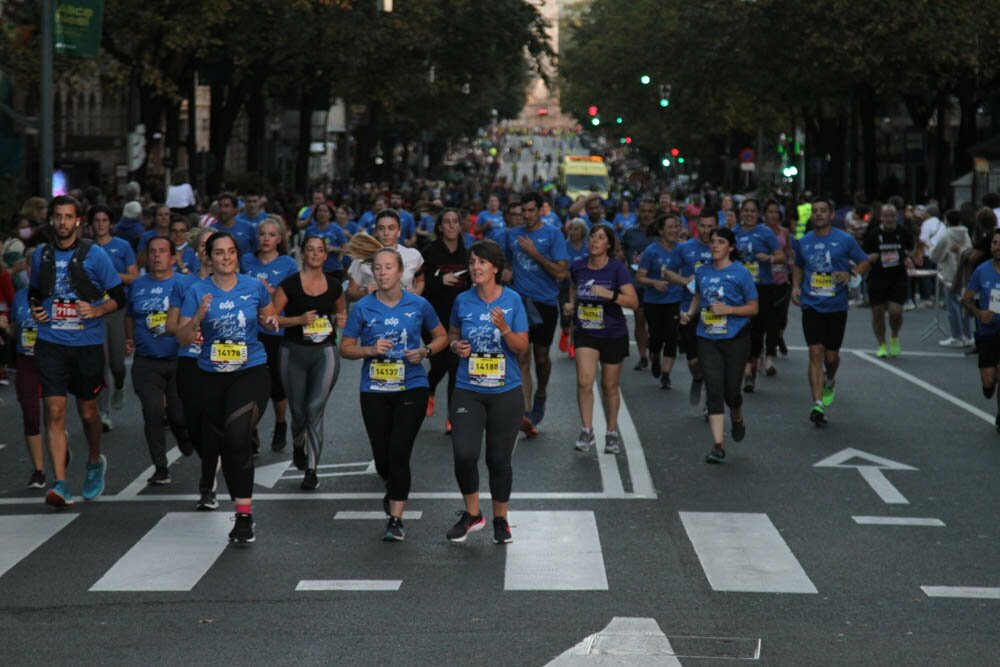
59, 496
950, 342
585, 440
37, 480
207, 502
909, 305
106, 424
447, 427
655, 368
642, 365
572, 351
529, 429
782, 347
255, 442
394, 530
893, 347
161, 477
279, 439
665, 381
817, 416
694, 394
466, 524
299, 458
828, 394
117, 398
882, 352
537, 413
186, 446
770, 370
309, 481
564, 341
93, 484
749, 383
612, 443
430, 407
716, 455
242, 532
739, 430
501, 531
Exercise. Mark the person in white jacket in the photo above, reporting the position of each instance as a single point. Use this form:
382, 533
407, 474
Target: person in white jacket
947, 253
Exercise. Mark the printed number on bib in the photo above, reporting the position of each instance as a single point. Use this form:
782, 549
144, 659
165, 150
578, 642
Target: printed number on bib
754, 269
590, 316
487, 370
319, 330
157, 323
822, 284
228, 355
66, 315
715, 325
890, 258
995, 301
387, 375
28, 338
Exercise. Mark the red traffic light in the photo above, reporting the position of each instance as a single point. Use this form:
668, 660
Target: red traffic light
628, 140
592, 110
675, 151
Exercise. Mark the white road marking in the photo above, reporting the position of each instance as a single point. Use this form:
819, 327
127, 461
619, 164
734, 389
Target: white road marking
410, 515
882, 486
870, 473
642, 481
349, 585
173, 556
267, 476
611, 479
897, 521
625, 641
554, 551
22, 534
139, 483
745, 553
982, 593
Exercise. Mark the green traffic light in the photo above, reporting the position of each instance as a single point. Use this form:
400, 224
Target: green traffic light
595, 121
680, 160
664, 102
618, 120
665, 162
644, 79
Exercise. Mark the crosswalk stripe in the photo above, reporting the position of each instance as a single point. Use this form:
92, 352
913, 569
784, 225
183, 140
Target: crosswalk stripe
554, 551
22, 534
744, 553
409, 515
977, 592
173, 556
611, 479
349, 585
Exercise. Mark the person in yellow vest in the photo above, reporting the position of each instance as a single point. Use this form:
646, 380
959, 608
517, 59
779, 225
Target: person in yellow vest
805, 212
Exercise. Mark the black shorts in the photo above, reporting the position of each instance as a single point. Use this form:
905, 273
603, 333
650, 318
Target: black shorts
989, 352
77, 370
272, 345
542, 334
826, 329
612, 350
689, 338
882, 290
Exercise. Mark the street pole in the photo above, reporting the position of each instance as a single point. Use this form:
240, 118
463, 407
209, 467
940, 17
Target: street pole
45, 148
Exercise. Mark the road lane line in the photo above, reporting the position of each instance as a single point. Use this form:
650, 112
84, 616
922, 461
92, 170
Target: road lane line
410, 515
982, 593
140, 483
554, 551
22, 534
882, 486
897, 521
852, 350
642, 481
744, 553
173, 556
349, 585
611, 478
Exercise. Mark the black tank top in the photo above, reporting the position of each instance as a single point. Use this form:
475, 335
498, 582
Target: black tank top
324, 330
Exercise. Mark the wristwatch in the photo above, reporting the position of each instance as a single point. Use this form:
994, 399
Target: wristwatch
428, 351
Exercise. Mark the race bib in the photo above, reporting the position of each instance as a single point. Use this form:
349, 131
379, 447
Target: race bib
156, 323
487, 370
590, 316
715, 325
319, 330
28, 338
779, 272
890, 258
66, 315
754, 269
387, 375
228, 355
995, 301
822, 284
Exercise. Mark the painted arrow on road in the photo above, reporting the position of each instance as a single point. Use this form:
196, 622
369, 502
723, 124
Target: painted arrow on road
625, 641
871, 472
267, 476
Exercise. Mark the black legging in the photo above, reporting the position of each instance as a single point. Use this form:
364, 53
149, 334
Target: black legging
272, 345
763, 323
782, 298
393, 421
232, 404
499, 416
189, 389
662, 320
444, 362
722, 364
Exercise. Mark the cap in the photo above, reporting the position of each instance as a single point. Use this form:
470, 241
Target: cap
133, 209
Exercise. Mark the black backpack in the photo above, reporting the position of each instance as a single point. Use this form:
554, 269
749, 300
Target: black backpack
78, 278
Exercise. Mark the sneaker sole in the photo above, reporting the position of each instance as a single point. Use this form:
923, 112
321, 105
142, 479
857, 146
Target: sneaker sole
236, 540
473, 529
609, 450
392, 538
713, 459
585, 448
207, 508
37, 486
57, 501
506, 541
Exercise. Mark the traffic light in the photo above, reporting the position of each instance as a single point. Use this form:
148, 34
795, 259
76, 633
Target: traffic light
665, 95
644, 79
680, 160
619, 120
675, 151
628, 140
595, 121
665, 162
790, 171
591, 111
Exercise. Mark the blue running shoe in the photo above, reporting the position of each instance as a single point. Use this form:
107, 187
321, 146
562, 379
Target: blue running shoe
59, 496
93, 486
537, 410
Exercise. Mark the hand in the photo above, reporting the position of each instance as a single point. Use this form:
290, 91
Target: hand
763, 257
414, 356
986, 316
307, 318
341, 320
129, 347
206, 302
371, 288
39, 314
720, 308
796, 295
382, 347
86, 310
498, 319
661, 285
527, 245
271, 322
449, 280
842, 277
567, 309
601, 292
685, 318
462, 348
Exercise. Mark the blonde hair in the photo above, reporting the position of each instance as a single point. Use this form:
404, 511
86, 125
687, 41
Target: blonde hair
363, 246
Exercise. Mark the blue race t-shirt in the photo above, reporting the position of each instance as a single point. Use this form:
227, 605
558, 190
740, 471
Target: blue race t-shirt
496, 232
656, 260
819, 257
985, 282
190, 259
552, 220
531, 280
492, 368
595, 316
750, 243
732, 286
403, 324
148, 303
634, 242
230, 326
120, 252
25, 327
272, 273
624, 222
244, 233
65, 325
692, 255
334, 237
180, 288
407, 225
252, 221
367, 222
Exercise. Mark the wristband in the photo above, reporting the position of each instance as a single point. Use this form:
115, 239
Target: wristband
504, 333
614, 295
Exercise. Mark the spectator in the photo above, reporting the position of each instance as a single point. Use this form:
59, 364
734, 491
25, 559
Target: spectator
130, 226
947, 253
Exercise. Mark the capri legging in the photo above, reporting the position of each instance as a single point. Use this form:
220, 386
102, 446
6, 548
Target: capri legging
662, 320
764, 323
308, 373
722, 363
189, 389
29, 394
272, 345
232, 404
393, 421
114, 352
499, 416
444, 362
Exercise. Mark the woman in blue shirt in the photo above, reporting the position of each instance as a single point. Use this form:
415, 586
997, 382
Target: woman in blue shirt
727, 299
982, 299
576, 248
27, 384
385, 329
225, 309
488, 331
661, 298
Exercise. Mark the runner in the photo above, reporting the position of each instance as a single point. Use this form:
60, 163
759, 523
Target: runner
634, 242
234, 381
888, 246
537, 253
982, 298
69, 280
361, 280
244, 233
314, 308
24, 329
773, 217
187, 257
321, 224
661, 298
820, 275
154, 366
384, 328
488, 327
161, 227
576, 248
599, 288
726, 298
270, 265
489, 222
